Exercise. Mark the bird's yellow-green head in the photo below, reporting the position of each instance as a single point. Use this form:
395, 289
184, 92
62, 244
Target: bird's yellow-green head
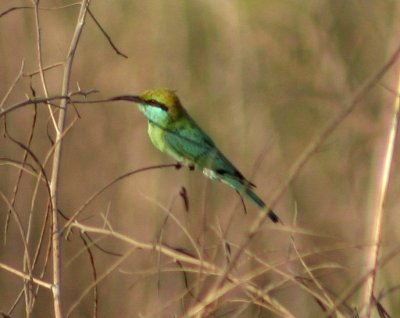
160, 105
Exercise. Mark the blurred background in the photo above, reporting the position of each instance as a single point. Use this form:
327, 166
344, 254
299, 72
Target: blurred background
262, 78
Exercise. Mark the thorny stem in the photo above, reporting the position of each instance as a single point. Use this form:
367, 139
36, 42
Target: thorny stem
56, 253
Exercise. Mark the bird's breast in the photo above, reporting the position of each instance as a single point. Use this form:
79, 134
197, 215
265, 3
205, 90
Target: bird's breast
156, 135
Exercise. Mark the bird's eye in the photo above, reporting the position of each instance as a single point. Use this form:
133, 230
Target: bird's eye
155, 103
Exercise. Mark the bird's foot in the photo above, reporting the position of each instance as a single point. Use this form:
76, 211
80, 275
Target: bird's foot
179, 165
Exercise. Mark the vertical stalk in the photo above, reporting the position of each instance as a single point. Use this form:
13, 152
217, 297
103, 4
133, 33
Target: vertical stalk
377, 206
56, 252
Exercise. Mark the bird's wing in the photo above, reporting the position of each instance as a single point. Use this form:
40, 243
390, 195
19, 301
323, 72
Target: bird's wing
192, 143
189, 141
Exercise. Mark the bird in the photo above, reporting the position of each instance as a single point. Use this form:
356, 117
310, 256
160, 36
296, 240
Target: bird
173, 131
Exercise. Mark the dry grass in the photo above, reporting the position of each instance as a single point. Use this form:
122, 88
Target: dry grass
302, 96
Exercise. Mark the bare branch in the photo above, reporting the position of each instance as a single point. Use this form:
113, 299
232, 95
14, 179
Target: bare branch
25, 276
58, 312
377, 207
40, 60
13, 9
17, 78
46, 68
45, 100
106, 35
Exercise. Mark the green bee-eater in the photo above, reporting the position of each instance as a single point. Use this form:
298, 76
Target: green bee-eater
172, 130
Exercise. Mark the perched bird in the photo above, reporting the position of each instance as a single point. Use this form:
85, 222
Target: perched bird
173, 131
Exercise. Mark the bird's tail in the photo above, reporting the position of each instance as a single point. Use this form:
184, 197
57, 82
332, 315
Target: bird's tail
248, 193
252, 196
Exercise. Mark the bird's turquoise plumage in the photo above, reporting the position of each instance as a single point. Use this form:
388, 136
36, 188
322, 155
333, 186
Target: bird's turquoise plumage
173, 131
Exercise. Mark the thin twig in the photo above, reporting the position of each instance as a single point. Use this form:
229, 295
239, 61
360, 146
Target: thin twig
25, 276
20, 172
45, 68
31, 8
30, 101
13, 9
27, 259
94, 273
40, 60
5, 132
67, 97
106, 35
14, 83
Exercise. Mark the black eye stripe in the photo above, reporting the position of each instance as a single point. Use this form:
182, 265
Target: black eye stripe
155, 103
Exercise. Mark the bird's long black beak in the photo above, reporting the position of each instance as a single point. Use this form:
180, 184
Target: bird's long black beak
140, 100
131, 98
